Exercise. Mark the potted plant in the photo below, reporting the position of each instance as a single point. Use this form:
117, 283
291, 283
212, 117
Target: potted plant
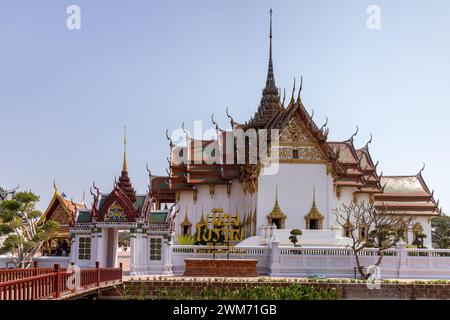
293, 236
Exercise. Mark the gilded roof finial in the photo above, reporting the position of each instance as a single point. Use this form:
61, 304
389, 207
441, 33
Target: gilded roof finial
293, 92
368, 142
421, 170
300, 90
124, 167
83, 198
54, 186
354, 134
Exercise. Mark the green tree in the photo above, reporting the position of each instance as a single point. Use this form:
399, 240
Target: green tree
294, 234
23, 237
440, 232
419, 240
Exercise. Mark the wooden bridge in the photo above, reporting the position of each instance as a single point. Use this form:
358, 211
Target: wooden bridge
55, 283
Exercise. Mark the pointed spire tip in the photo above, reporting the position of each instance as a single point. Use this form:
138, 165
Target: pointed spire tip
124, 166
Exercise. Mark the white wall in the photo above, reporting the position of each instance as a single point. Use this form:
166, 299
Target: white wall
244, 203
296, 183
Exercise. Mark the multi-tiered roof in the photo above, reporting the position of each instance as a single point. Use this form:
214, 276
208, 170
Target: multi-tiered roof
351, 167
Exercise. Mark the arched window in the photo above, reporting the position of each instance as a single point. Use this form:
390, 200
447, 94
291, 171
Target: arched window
363, 229
348, 229
402, 233
418, 235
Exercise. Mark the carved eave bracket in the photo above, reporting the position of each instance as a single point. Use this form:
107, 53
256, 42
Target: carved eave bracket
212, 189
338, 192
194, 195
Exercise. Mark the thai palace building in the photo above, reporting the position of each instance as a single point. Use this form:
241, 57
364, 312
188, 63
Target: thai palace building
314, 177
62, 211
305, 179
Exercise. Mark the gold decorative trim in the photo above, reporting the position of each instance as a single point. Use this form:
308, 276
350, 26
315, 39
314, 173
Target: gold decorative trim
296, 144
360, 228
202, 221
329, 168
348, 226
300, 161
254, 223
248, 177
186, 223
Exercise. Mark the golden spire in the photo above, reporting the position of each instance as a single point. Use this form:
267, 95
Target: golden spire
314, 196
314, 212
124, 167
276, 211
276, 195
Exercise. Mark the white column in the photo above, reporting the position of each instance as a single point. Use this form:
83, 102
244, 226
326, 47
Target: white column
140, 241
134, 250
144, 257
330, 202
74, 249
97, 248
167, 256
113, 242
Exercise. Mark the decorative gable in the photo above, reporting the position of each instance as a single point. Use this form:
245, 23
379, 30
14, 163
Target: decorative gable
298, 144
295, 133
116, 213
61, 216
117, 208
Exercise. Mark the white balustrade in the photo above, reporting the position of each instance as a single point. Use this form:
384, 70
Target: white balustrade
326, 261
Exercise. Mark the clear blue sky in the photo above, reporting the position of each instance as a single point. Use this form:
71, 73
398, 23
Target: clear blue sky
66, 95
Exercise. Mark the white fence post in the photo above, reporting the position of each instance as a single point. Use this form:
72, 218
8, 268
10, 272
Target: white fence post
275, 267
167, 255
402, 254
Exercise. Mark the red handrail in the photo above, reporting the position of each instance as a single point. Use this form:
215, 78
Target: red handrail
16, 274
55, 283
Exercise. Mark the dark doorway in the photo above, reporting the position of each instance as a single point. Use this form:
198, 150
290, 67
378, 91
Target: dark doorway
277, 222
314, 224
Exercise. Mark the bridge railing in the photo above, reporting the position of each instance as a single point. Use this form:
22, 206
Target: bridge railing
20, 273
55, 283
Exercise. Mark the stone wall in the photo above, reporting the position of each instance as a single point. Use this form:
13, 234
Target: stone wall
149, 288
